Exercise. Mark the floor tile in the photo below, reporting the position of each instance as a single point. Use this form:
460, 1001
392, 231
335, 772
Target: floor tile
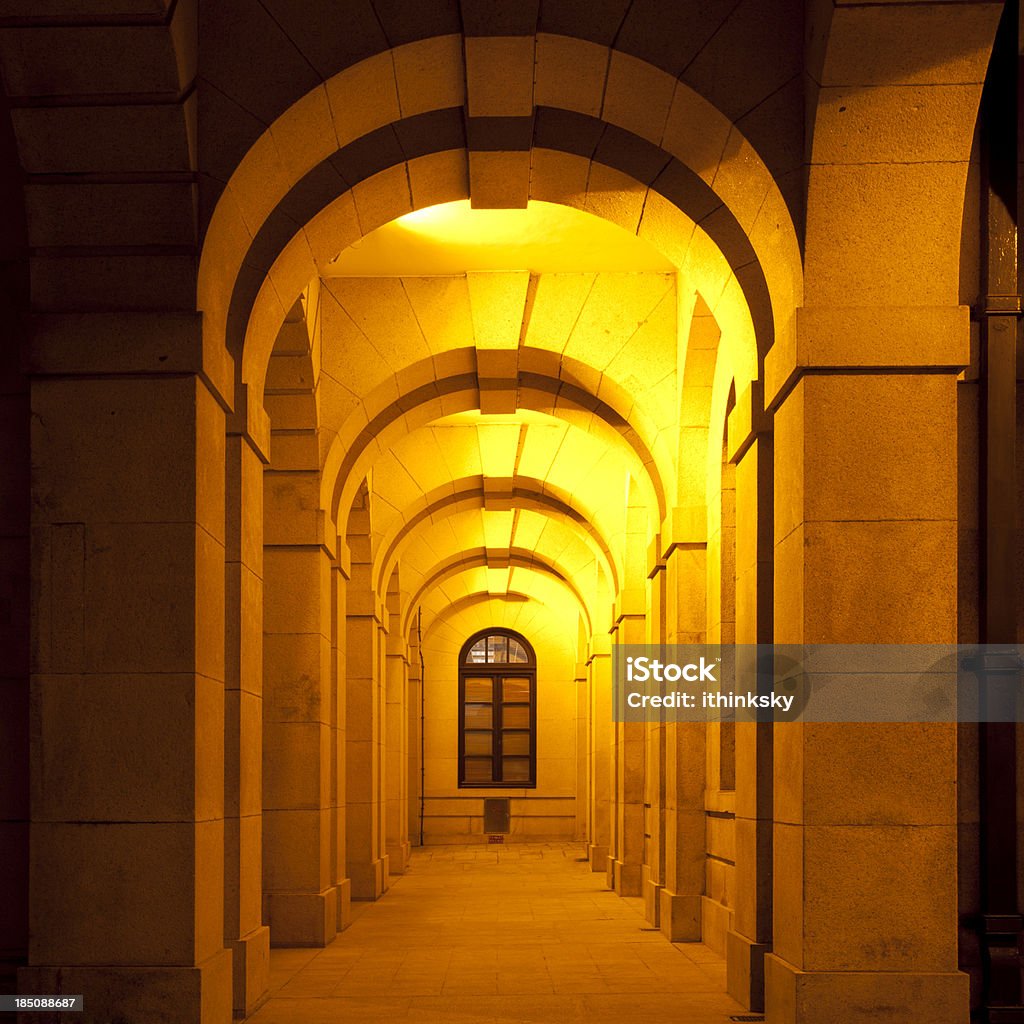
523, 935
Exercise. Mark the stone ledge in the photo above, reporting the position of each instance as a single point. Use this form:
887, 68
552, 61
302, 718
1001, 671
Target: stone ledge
847, 997
129, 343
902, 339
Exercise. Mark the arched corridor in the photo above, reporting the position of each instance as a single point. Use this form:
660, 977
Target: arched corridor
377, 371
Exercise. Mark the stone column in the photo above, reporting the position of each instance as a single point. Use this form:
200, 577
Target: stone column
413, 705
684, 540
629, 626
750, 448
339, 830
300, 890
865, 839
380, 694
625, 862
653, 874
396, 754
582, 749
127, 698
599, 668
244, 932
14, 642
363, 720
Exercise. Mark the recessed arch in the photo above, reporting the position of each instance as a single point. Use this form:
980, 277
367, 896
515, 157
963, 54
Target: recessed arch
349, 459
548, 541
374, 168
469, 559
525, 492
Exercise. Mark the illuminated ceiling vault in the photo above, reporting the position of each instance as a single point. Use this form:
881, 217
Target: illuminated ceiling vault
506, 387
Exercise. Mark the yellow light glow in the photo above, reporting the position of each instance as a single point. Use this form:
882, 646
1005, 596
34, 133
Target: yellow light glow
452, 238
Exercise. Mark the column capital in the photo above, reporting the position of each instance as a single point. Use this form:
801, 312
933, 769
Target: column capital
600, 646
129, 344
656, 560
684, 526
748, 420
343, 560
894, 339
250, 421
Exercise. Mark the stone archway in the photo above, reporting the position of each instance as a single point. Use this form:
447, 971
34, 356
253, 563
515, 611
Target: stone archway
116, 337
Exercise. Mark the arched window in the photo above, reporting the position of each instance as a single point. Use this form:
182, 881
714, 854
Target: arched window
497, 711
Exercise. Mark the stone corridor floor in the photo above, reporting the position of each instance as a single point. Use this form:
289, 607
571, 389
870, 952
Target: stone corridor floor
519, 933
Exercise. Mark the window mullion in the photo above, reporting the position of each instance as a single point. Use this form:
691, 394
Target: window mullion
499, 770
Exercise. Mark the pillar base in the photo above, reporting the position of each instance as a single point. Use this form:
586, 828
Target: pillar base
744, 970
156, 995
679, 916
251, 968
810, 997
598, 857
398, 858
715, 924
302, 918
344, 891
652, 898
627, 879
367, 879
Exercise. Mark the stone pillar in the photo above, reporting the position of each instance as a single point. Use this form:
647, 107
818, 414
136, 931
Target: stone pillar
244, 932
629, 626
582, 801
684, 540
127, 698
14, 642
300, 890
380, 695
865, 838
339, 830
363, 720
299, 824
750, 444
396, 754
625, 862
599, 668
653, 873
415, 761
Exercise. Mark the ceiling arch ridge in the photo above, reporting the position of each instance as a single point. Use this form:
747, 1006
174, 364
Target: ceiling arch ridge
352, 453
536, 535
525, 493
522, 612
475, 558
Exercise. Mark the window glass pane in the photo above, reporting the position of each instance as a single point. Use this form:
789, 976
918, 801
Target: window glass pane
515, 769
480, 743
516, 652
478, 689
497, 648
478, 716
477, 653
515, 717
512, 742
478, 769
517, 690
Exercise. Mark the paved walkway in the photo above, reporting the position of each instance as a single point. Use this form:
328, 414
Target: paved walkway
522, 933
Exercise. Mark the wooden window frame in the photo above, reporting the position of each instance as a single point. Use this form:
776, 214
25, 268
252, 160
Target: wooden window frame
496, 671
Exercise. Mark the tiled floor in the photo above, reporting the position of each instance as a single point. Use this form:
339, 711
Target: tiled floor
523, 933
